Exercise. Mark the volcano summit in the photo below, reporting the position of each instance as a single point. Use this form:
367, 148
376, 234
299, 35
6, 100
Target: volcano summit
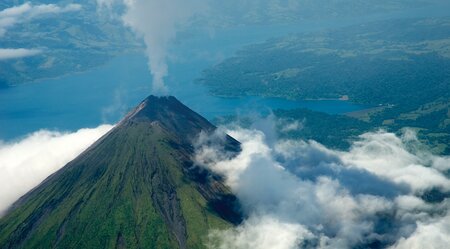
136, 187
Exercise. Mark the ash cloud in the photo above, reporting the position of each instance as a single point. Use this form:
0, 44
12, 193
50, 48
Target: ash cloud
300, 194
26, 163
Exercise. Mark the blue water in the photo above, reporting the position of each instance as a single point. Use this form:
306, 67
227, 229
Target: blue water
103, 95
106, 93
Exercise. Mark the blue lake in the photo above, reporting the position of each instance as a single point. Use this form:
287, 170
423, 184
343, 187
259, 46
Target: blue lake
106, 93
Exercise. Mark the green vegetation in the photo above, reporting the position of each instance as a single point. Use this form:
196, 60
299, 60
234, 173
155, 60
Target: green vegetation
270, 12
431, 121
71, 42
401, 67
135, 188
334, 131
381, 63
339, 131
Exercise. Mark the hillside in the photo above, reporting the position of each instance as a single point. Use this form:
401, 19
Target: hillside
400, 67
136, 187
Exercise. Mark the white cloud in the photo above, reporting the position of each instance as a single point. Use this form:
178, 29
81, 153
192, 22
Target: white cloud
158, 22
386, 155
26, 163
296, 194
261, 233
16, 53
291, 126
320, 198
430, 235
441, 163
27, 12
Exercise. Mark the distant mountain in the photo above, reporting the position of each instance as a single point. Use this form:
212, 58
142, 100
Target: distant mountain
136, 187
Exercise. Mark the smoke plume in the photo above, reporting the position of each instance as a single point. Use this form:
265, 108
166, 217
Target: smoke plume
157, 23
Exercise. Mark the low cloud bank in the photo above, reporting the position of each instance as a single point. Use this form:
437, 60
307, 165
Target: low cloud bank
26, 163
26, 12
16, 53
300, 194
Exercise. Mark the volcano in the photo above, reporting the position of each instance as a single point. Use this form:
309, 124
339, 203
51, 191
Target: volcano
136, 187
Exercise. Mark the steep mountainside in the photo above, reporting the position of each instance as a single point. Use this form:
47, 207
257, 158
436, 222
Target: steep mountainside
136, 187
